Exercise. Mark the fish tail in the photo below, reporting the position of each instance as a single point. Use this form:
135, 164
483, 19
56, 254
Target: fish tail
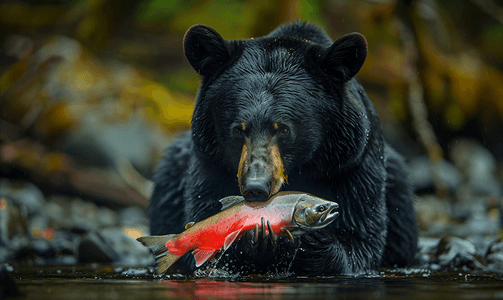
157, 244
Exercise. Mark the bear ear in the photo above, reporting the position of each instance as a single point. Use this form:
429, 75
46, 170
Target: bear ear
345, 57
205, 49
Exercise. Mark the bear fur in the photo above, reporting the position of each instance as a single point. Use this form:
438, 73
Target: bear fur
284, 112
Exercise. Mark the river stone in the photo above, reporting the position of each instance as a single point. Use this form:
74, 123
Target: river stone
24, 194
12, 221
93, 248
112, 245
478, 166
129, 251
421, 177
495, 255
455, 252
133, 216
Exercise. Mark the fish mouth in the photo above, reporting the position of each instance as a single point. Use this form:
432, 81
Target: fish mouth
327, 217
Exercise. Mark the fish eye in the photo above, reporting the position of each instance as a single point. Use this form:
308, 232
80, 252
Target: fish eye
321, 208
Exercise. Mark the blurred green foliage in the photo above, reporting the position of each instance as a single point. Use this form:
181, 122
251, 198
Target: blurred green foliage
459, 45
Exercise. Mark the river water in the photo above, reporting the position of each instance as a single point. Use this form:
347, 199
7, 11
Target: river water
109, 282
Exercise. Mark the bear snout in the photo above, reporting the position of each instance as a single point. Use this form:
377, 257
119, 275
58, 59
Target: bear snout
256, 185
256, 190
260, 170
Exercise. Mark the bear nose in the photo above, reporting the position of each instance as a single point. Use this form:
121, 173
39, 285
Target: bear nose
256, 190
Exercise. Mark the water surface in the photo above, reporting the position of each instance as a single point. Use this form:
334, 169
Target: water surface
106, 282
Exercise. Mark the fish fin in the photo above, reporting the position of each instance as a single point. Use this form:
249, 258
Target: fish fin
231, 201
157, 244
164, 262
231, 238
203, 256
188, 225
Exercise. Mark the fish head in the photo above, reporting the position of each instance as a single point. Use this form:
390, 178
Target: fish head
314, 213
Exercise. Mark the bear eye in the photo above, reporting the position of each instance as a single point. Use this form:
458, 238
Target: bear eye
236, 130
284, 131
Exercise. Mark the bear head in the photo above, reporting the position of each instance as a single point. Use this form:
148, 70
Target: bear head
268, 106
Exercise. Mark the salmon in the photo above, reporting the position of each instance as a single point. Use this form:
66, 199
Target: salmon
285, 213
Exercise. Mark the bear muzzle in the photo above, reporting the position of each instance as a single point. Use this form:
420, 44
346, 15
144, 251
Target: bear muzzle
256, 190
260, 171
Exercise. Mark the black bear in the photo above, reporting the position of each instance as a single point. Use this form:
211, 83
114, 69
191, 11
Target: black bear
284, 112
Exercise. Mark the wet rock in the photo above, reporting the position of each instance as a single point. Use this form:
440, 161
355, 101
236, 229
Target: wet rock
93, 248
133, 272
468, 205
133, 216
477, 165
481, 243
45, 246
107, 217
5, 254
422, 178
433, 215
454, 252
426, 247
474, 215
495, 262
89, 217
112, 245
494, 256
42, 248
495, 247
37, 224
65, 243
129, 250
478, 223
56, 213
38, 251
63, 252
130, 138
14, 234
24, 194
83, 215
467, 216
78, 215
12, 221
